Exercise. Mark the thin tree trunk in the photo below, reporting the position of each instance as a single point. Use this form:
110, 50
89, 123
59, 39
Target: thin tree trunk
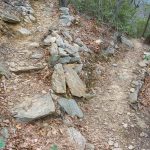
146, 25
63, 3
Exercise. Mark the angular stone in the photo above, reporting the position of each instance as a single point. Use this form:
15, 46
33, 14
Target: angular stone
127, 42
4, 72
79, 42
49, 39
82, 46
143, 63
77, 138
21, 69
75, 60
71, 49
53, 49
71, 107
84, 49
53, 60
34, 107
64, 10
67, 35
62, 52
75, 84
24, 31
109, 51
10, 18
60, 42
68, 59
32, 18
67, 18
58, 79
133, 97
64, 60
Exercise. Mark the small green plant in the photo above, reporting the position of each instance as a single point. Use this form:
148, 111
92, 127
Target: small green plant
2, 143
147, 57
121, 14
54, 147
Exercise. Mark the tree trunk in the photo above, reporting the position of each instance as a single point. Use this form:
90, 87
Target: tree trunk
63, 3
146, 25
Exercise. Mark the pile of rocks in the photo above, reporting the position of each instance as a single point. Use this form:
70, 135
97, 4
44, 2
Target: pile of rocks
16, 11
67, 65
65, 59
65, 18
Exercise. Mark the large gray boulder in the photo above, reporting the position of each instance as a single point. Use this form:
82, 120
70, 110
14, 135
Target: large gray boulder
58, 79
34, 107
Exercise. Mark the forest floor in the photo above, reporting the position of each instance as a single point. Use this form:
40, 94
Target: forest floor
109, 122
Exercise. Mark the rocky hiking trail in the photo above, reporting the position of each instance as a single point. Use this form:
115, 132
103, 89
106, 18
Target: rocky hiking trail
58, 93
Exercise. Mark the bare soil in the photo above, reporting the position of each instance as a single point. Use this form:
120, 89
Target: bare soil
108, 116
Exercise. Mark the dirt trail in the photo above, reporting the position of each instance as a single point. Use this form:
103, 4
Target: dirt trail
109, 119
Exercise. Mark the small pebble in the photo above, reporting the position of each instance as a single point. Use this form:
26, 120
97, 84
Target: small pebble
44, 92
142, 134
132, 90
131, 147
114, 65
125, 125
110, 143
116, 145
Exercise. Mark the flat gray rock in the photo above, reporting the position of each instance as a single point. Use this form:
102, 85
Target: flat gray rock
133, 97
60, 42
75, 84
109, 51
66, 20
24, 32
64, 60
21, 69
67, 35
127, 42
143, 63
62, 52
4, 71
77, 138
53, 60
71, 107
34, 107
82, 46
64, 10
58, 79
10, 18
79, 42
